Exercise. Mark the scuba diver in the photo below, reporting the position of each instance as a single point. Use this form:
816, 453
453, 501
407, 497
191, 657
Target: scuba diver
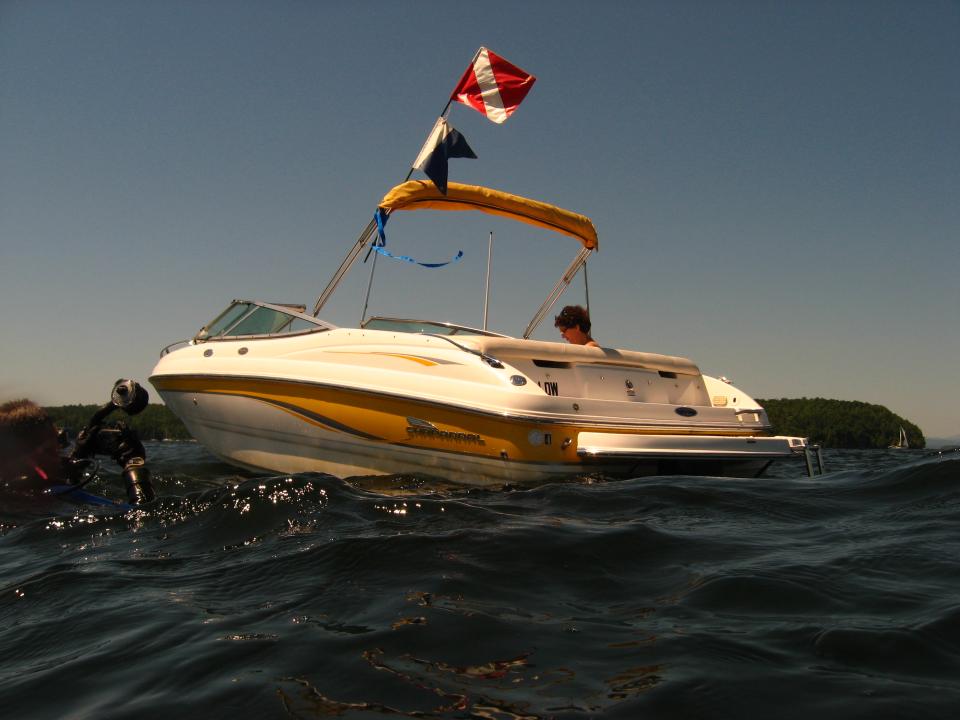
31, 461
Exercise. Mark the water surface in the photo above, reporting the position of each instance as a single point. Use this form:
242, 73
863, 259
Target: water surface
306, 596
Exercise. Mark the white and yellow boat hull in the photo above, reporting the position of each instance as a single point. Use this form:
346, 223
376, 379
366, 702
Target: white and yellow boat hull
368, 402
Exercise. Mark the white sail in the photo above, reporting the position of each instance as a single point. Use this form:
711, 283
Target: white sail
902, 443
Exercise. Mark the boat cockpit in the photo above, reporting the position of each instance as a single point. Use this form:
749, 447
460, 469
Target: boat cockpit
257, 319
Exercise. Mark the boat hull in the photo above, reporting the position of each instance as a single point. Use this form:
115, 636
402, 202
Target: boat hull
290, 427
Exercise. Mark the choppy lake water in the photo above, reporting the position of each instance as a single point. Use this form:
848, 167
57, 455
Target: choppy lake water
240, 596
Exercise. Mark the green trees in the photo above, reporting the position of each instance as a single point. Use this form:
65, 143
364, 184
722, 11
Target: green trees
840, 423
156, 422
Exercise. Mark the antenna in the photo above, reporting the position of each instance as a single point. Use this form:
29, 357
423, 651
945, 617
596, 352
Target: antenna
486, 294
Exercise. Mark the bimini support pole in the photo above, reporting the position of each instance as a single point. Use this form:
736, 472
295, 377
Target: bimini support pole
366, 300
558, 289
586, 287
347, 263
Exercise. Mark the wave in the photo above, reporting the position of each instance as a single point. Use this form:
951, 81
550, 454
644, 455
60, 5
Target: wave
307, 596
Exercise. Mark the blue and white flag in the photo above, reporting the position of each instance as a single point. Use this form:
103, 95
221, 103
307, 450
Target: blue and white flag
443, 142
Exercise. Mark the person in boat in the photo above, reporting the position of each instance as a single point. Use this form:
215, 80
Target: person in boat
574, 324
29, 447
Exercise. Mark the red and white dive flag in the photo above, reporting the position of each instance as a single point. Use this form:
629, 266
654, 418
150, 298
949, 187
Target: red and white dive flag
493, 86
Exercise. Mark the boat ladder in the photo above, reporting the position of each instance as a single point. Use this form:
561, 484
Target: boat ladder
813, 453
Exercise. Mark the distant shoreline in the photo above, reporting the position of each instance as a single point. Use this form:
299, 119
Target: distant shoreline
846, 424
156, 422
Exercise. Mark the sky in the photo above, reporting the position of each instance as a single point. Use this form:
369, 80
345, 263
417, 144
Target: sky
775, 185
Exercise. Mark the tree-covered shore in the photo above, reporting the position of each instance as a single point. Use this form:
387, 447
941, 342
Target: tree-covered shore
829, 423
840, 423
156, 422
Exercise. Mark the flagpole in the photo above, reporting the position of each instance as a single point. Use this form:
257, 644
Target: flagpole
446, 108
373, 267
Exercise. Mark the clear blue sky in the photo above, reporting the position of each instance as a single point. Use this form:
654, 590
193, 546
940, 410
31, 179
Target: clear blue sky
776, 185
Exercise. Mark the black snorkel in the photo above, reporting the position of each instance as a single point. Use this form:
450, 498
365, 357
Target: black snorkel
119, 441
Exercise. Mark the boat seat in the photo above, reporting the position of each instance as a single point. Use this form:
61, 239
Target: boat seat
504, 348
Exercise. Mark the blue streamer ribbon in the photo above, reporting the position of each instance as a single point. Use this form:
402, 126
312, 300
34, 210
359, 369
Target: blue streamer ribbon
381, 217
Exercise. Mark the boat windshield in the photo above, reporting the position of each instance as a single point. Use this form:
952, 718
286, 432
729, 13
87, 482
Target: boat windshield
427, 327
246, 318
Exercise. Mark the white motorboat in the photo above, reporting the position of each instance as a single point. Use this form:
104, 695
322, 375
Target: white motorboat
272, 387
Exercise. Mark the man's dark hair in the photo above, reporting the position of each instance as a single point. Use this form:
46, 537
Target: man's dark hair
22, 423
573, 316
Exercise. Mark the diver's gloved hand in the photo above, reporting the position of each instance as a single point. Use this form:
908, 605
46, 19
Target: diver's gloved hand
136, 478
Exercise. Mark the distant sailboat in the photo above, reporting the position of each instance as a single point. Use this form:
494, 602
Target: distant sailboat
902, 443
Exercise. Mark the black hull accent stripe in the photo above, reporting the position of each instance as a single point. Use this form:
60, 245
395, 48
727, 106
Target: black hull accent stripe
296, 410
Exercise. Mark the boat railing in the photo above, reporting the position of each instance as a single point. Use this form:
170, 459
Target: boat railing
174, 345
424, 327
488, 359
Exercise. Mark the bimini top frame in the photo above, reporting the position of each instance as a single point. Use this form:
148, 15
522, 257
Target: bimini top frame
423, 195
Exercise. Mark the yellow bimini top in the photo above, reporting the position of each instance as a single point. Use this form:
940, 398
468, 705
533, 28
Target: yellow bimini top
423, 195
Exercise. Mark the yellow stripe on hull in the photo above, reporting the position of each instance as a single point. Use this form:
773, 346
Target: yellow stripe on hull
388, 419
419, 359
410, 423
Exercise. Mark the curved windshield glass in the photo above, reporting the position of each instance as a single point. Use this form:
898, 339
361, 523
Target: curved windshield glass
245, 318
